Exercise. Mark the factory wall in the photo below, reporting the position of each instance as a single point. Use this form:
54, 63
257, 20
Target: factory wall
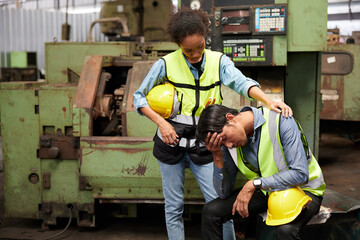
28, 30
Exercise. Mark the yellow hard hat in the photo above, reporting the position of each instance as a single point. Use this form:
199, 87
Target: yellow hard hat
163, 100
284, 206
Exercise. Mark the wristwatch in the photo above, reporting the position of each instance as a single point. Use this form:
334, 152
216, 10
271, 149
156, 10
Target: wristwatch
257, 183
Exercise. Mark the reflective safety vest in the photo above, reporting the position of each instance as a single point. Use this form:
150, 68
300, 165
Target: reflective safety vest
194, 94
271, 157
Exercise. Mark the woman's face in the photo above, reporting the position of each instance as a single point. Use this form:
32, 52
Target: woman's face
193, 47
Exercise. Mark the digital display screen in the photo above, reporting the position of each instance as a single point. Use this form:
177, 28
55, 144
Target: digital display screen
270, 19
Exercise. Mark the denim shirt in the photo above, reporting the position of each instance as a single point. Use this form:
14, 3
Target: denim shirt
297, 173
229, 76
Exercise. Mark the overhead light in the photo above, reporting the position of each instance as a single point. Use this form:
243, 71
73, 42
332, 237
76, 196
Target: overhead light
78, 10
83, 10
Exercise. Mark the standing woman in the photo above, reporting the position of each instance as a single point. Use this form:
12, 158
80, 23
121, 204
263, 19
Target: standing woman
196, 73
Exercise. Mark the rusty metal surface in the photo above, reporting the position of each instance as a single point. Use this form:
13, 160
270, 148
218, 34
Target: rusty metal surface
88, 82
18, 74
139, 71
59, 147
21, 85
340, 83
332, 91
46, 180
115, 140
129, 117
337, 62
98, 106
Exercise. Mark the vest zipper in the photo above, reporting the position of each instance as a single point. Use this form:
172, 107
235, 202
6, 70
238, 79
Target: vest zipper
197, 99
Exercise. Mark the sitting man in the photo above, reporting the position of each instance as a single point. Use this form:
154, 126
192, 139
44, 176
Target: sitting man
271, 152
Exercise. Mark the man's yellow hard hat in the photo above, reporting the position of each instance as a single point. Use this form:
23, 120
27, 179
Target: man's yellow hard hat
284, 206
163, 100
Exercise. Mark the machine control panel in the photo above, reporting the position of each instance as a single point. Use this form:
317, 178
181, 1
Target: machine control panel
245, 33
247, 49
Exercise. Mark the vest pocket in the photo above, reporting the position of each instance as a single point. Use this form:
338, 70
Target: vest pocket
166, 153
200, 155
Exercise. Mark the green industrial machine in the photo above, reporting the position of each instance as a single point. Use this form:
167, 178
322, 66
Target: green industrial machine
75, 141
279, 44
21, 66
143, 18
340, 89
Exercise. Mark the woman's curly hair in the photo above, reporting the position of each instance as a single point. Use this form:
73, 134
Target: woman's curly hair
187, 22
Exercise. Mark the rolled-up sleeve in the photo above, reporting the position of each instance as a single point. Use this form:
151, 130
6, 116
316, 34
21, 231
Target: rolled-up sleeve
233, 78
155, 76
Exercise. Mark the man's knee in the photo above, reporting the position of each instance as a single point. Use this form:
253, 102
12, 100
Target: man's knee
211, 208
288, 231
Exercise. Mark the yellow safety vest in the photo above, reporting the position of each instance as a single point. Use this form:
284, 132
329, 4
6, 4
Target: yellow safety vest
194, 93
271, 157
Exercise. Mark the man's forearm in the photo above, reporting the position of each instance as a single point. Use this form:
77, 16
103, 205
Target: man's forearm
218, 160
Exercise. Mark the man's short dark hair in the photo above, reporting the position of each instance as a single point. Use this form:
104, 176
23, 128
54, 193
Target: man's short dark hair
187, 22
212, 120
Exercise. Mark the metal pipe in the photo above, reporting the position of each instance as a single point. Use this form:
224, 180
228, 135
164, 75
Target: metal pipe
121, 20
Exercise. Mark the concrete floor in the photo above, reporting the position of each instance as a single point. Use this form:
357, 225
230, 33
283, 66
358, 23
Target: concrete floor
339, 159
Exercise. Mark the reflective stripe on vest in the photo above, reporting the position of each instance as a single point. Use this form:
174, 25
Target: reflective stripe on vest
188, 120
271, 156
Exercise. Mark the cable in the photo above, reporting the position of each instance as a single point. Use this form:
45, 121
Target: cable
67, 226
